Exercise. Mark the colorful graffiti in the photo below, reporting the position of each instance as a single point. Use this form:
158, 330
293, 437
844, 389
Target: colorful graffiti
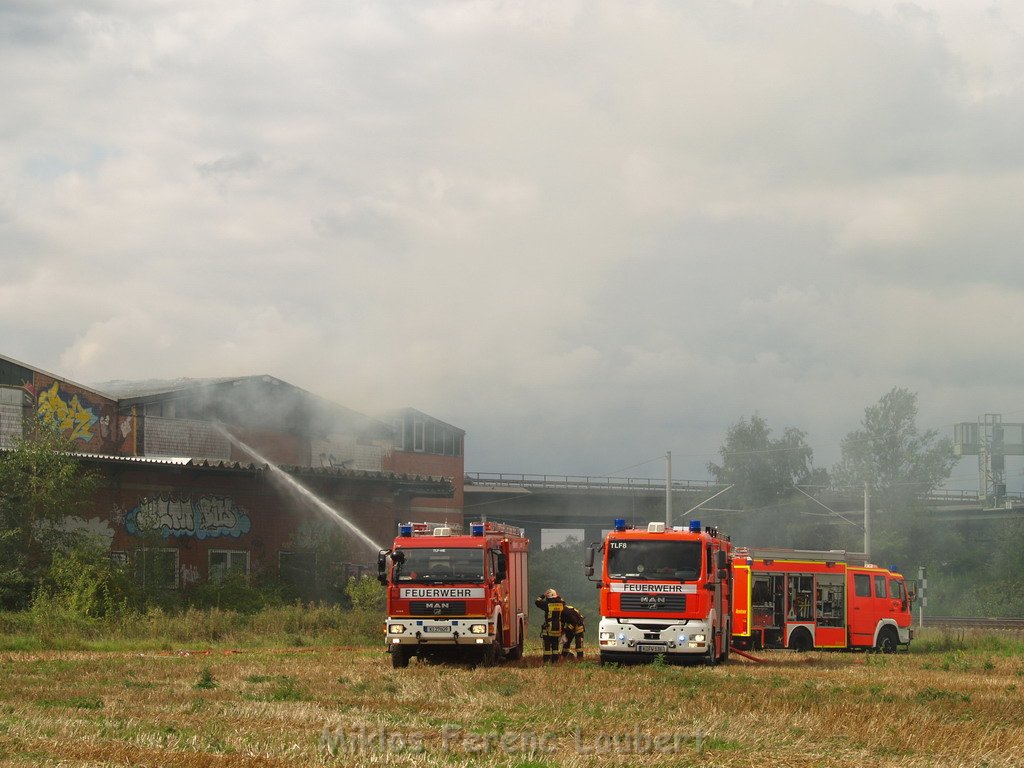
72, 416
204, 518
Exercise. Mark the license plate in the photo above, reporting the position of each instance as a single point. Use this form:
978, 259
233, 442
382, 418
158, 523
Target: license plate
651, 648
437, 629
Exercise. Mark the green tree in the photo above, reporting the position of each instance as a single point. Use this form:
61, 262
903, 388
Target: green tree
41, 483
561, 567
891, 455
763, 472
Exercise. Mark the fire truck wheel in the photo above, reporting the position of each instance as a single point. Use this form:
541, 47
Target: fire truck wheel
399, 657
516, 652
800, 641
887, 641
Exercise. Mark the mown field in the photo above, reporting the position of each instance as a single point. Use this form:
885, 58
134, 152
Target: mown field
331, 705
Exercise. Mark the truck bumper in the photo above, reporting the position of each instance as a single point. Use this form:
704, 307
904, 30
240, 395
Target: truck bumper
623, 639
438, 632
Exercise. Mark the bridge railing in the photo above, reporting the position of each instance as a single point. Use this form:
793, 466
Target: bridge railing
649, 484
584, 482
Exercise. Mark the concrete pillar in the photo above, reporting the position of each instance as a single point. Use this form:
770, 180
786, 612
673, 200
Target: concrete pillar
591, 534
533, 534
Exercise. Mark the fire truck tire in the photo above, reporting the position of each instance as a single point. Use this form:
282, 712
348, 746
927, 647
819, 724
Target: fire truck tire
399, 657
726, 638
494, 652
888, 641
710, 658
801, 641
516, 651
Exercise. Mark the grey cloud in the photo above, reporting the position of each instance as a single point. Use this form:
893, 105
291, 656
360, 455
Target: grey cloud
586, 233
229, 165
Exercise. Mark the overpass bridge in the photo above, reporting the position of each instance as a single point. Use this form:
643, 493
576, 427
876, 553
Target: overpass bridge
586, 505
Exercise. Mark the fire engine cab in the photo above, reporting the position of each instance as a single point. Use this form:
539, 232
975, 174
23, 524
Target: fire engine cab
801, 599
665, 592
451, 595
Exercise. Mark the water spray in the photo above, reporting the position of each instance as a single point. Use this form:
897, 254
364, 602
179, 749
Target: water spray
294, 485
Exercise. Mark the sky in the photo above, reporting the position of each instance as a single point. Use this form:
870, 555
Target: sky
587, 233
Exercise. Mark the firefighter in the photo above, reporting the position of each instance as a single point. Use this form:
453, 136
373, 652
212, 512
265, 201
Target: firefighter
551, 631
572, 626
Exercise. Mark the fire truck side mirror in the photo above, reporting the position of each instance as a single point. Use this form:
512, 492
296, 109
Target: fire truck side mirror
502, 573
723, 574
382, 567
723, 561
588, 562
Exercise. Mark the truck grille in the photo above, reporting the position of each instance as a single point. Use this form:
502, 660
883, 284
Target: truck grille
653, 602
438, 607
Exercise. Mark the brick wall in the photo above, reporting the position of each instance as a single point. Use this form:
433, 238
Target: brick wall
452, 467
86, 417
203, 510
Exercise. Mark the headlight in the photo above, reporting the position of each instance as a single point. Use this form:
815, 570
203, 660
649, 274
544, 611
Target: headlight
396, 629
478, 629
607, 635
699, 638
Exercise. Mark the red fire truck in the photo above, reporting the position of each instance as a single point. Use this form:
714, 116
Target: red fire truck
801, 599
455, 596
664, 592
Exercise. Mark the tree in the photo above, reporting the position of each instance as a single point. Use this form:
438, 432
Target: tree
41, 483
890, 454
763, 471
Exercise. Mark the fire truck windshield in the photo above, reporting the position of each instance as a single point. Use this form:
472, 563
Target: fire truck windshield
425, 565
654, 560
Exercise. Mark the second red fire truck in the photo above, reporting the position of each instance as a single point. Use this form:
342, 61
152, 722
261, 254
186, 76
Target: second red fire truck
665, 593
801, 599
450, 595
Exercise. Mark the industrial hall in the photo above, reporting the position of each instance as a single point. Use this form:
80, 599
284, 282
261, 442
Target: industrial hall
199, 478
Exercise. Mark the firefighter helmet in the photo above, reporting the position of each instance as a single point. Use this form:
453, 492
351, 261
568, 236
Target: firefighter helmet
551, 593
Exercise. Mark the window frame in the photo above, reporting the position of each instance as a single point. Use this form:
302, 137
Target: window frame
860, 579
210, 573
881, 579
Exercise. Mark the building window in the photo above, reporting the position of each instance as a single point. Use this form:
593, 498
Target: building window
418, 428
399, 439
225, 562
156, 568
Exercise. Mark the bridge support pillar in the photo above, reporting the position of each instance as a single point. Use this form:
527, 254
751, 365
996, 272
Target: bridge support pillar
533, 534
591, 534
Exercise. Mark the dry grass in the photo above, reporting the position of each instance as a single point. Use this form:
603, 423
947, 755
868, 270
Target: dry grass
272, 707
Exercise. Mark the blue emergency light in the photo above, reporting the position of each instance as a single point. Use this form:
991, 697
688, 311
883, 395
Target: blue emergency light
620, 524
695, 526
405, 529
476, 529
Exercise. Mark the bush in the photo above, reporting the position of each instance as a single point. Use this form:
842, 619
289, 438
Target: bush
86, 583
365, 593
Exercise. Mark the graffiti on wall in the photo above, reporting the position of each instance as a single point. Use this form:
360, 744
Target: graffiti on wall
73, 416
204, 518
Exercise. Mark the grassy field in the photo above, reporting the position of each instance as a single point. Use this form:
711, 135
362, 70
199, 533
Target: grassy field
331, 705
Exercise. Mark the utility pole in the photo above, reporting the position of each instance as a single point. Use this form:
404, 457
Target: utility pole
922, 596
867, 521
668, 490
